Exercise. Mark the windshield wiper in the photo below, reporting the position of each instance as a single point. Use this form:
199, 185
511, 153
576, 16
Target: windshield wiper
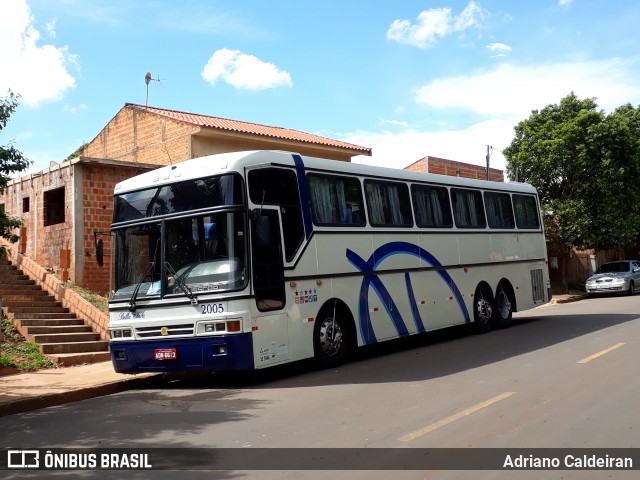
181, 283
132, 301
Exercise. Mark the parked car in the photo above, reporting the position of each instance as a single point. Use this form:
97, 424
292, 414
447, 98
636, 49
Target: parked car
621, 276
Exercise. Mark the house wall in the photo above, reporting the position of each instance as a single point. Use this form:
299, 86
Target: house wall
209, 144
44, 242
442, 166
136, 136
88, 204
96, 180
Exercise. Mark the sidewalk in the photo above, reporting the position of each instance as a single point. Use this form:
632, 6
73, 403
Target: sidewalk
23, 392
572, 296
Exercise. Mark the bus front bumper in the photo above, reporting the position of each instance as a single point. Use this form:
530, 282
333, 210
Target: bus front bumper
227, 352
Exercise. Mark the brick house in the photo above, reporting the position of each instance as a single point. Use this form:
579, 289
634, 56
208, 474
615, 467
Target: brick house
456, 169
66, 205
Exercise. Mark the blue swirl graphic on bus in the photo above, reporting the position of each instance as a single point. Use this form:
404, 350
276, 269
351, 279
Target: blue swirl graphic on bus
370, 279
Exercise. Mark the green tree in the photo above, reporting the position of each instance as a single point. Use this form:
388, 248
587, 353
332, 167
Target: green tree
77, 152
11, 161
585, 165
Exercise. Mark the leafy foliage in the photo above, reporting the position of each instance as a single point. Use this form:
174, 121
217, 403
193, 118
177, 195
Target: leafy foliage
16, 352
585, 165
11, 161
77, 152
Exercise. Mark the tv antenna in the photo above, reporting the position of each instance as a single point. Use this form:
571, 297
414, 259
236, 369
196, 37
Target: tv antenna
147, 80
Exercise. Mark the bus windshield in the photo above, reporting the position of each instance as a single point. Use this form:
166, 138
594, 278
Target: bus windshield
184, 256
189, 195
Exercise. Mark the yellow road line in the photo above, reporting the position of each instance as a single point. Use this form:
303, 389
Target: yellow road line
600, 353
453, 418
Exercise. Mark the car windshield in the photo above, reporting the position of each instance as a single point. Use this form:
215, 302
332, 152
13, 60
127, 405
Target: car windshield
613, 267
185, 256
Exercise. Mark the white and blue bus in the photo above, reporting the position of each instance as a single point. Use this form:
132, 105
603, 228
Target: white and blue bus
251, 259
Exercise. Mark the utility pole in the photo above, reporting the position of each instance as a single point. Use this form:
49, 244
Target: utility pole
488, 157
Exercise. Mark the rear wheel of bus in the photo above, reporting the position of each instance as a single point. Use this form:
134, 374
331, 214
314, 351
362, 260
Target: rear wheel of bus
483, 308
504, 306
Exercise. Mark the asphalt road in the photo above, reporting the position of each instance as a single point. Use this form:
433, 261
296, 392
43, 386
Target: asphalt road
563, 376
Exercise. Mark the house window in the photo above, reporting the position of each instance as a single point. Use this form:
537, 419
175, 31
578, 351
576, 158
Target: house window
53, 207
25, 205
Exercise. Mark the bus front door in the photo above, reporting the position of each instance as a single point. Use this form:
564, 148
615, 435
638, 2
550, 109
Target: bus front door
269, 325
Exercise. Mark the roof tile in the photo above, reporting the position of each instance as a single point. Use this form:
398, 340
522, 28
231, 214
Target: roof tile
251, 128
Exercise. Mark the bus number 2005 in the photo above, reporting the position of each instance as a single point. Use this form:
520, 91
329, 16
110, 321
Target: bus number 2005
210, 308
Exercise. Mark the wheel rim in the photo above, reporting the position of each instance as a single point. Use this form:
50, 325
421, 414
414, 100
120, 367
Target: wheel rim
330, 336
504, 305
484, 310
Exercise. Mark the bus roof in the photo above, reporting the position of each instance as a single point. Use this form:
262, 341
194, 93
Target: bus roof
238, 161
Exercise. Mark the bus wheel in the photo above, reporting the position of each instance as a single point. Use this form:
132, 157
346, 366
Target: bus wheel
504, 308
482, 309
330, 341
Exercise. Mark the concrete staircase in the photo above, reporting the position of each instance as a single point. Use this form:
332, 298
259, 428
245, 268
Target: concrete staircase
59, 334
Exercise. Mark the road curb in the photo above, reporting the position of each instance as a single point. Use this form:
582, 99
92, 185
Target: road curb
28, 404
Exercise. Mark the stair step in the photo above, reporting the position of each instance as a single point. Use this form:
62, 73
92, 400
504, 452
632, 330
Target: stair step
10, 289
51, 322
12, 277
74, 347
59, 333
36, 309
65, 337
68, 359
19, 282
42, 316
20, 296
46, 303
47, 330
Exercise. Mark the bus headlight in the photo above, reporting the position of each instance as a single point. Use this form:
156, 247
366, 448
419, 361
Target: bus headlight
121, 333
220, 326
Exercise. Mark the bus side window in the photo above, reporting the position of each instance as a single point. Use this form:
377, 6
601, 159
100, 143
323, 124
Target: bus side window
279, 186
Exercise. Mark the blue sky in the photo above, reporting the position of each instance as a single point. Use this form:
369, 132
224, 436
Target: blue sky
408, 79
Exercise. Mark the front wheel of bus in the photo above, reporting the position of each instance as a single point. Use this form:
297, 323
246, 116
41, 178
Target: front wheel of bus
331, 342
483, 307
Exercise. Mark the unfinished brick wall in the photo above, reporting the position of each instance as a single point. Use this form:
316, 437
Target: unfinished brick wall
98, 183
136, 136
48, 219
442, 166
87, 202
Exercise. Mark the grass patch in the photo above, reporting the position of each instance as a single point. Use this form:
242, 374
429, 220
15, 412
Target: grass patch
18, 353
98, 301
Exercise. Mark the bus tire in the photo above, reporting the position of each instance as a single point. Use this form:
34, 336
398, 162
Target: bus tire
503, 307
331, 339
483, 308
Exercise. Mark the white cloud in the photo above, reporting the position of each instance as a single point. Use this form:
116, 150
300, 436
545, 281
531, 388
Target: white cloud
502, 97
397, 150
565, 3
74, 110
510, 90
434, 23
244, 71
50, 27
37, 72
398, 123
499, 48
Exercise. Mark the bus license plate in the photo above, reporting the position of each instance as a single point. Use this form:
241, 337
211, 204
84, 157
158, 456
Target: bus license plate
165, 354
